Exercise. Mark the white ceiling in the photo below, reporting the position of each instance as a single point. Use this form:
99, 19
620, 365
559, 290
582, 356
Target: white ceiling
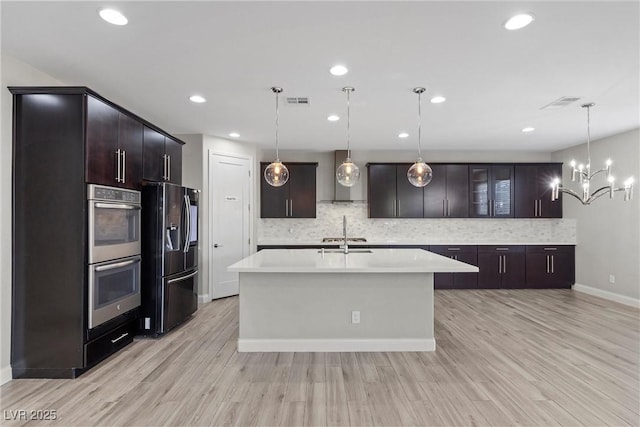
495, 81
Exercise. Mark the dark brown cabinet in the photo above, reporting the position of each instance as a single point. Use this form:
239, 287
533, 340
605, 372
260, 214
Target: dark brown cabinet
533, 191
491, 191
501, 267
295, 199
468, 254
447, 195
113, 146
390, 193
550, 266
162, 157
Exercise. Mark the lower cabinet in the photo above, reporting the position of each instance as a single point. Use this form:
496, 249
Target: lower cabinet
467, 254
501, 267
550, 266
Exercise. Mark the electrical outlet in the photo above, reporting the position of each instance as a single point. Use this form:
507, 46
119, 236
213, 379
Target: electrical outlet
612, 278
355, 317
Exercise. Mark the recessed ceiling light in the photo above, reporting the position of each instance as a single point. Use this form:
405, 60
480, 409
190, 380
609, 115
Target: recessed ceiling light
518, 21
438, 99
197, 98
338, 70
113, 17
403, 135
333, 118
234, 135
528, 129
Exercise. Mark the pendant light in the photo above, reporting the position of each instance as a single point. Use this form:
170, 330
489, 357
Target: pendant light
420, 173
348, 173
276, 174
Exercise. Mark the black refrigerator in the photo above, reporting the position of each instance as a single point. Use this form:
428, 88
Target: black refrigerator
169, 256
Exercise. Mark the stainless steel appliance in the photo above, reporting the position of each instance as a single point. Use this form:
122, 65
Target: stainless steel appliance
170, 256
114, 252
114, 223
114, 289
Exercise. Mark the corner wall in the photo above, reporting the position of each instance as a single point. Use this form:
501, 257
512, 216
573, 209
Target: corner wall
608, 231
14, 73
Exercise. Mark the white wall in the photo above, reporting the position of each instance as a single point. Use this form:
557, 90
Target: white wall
608, 230
14, 73
326, 168
195, 174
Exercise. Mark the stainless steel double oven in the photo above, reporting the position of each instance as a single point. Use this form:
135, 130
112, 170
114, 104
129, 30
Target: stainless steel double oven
114, 252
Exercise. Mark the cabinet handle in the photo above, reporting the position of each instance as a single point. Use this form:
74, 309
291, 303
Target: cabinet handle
126, 334
444, 209
291, 207
393, 206
500, 264
540, 207
535, 208
168, 167
547, 263
448, 209
164, 167
286, 207
398, 212
550, 249
504, 263
118, 165
453, 249
552, 264
502, 249
124, 166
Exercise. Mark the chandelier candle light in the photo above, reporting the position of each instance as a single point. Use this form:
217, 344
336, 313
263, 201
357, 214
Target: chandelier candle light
276, 174
585, 175
420, 173
348, 172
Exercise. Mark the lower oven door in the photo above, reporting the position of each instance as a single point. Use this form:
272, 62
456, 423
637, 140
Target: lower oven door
114, 289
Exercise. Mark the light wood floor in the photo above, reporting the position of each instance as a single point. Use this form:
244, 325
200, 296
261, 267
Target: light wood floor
512, 357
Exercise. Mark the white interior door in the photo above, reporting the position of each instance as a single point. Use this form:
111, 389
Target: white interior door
229, 186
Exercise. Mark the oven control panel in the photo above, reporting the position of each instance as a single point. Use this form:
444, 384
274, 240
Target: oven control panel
100, 192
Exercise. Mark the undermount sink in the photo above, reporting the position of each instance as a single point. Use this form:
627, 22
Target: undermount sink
341, 239
341, 251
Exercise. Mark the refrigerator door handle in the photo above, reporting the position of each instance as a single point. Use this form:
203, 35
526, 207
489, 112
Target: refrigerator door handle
180, 279
187, 216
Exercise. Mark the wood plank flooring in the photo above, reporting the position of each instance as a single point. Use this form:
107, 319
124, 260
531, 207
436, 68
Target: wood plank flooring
504, 357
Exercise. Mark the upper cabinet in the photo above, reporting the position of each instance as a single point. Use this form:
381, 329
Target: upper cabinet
113, 146
533, 191
491, 191
390, 194
447, 195
295, 199
162, 157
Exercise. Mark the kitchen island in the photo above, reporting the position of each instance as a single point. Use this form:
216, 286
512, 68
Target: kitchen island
367, 300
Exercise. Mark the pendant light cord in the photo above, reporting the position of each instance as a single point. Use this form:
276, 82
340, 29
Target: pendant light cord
588, 141
419, 124
277, 126
348, 123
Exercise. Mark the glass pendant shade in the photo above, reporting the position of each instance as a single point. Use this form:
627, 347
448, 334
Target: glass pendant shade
348, 173
419, 174
276, 174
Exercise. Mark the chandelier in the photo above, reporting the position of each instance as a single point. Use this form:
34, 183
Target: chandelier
348, 173
420, 173
585, 176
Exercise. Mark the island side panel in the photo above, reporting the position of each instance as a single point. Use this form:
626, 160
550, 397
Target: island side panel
312, 312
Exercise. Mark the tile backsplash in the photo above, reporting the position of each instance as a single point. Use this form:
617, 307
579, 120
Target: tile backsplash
420, 231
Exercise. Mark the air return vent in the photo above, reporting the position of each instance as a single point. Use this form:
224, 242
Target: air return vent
560, 102
298, 101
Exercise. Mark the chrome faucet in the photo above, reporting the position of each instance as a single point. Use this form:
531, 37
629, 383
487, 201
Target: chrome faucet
344, 232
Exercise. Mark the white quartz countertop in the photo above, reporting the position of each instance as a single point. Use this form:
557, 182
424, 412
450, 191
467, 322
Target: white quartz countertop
281, 242
377, 261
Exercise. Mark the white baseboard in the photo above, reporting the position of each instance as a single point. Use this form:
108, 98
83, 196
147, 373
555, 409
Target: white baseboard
203, 299
5, 374
335, 345
633, 302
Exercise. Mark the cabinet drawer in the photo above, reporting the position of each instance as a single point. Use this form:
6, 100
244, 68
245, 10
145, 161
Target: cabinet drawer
538, 249
453, 249
501, 248
109, 343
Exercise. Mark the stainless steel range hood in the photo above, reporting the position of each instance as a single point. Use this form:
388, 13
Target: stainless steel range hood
341, 193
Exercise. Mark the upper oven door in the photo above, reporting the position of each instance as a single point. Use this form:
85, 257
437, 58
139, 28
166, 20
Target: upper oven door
114, 230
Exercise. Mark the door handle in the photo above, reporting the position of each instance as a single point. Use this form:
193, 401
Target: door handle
124, 166
187, 225
216, 245
126, 334
180, 279
116, 206
117, 265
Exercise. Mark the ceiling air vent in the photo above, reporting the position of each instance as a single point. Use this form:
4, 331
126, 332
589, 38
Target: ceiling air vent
298, 101
560, 102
